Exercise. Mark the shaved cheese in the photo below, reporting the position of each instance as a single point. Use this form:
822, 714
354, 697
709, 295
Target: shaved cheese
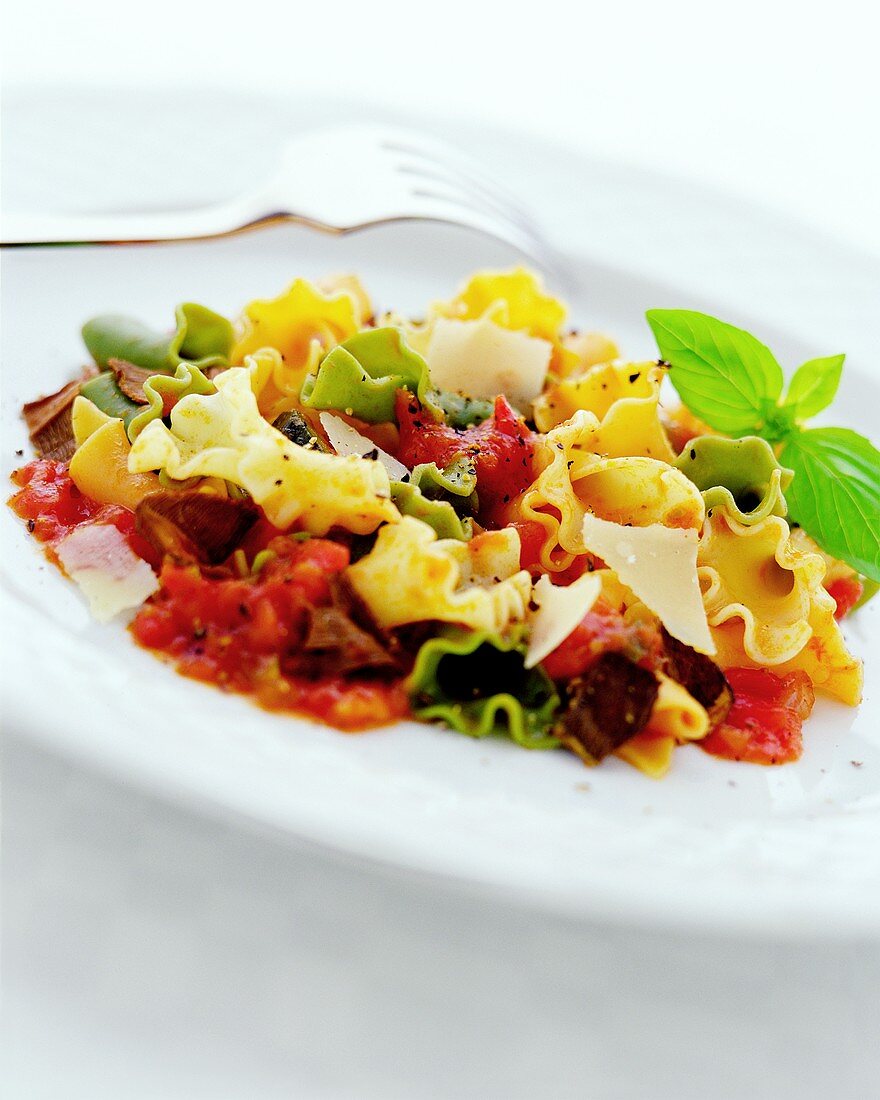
560, 609
111, 575
346, 440
482, 359
659, 564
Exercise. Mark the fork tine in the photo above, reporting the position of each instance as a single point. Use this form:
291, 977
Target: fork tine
474, 193
437, 206
434, 156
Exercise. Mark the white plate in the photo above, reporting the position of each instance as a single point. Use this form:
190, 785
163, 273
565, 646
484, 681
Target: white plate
788, 851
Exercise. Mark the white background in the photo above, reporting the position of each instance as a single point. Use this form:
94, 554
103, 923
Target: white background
154, 952
776, 101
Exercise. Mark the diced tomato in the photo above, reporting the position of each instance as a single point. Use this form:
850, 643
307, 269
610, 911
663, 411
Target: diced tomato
531, 541
502, 448
347, 704
235, 632
49, 500
53, 507
259, 537
603, 628
764, 724
581, 564
847, 591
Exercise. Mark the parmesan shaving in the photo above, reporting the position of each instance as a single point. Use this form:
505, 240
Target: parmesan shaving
346, 440
659, 564
110, 574
482, 359
560, 609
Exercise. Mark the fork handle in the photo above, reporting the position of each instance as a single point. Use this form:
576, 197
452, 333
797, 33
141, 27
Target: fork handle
212, 221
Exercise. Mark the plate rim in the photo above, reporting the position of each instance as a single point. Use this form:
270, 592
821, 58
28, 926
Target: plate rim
830, 922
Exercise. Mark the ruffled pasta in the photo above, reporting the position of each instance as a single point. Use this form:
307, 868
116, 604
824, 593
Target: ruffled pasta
200, 336
223, 435
512, 299
575, 479
297, 321
362, 376
587, 349
438, 514
522, 709
624, 397
410, 576
767, 606
676, 719
740, 475
162, 389
277, 383
99, 466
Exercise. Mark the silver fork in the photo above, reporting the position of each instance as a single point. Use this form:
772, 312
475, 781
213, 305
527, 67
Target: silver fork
337, 180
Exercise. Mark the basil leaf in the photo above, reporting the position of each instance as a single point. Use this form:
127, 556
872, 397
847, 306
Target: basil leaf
723, 374
813, 386
835, 494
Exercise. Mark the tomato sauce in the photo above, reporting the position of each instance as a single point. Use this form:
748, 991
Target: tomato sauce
764, 724
53, 507
502, 449
601, 630
216, 627
846, 593
235, 632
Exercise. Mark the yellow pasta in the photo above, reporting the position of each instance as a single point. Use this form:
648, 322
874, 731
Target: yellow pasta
767, 605
410, 576
223, 435
587, 349
276, 383
575, 478
300, 323
623, 396
512, 299
651, 755
99, 467
86, 418
676, 718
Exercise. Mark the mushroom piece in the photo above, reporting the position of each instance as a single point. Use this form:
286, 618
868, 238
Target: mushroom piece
190, 525
610, 703
49, 420
340, 640
699, 676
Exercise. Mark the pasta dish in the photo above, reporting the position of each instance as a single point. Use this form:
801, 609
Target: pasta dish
480, 517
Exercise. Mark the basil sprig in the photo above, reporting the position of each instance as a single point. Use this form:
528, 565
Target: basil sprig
732, 381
